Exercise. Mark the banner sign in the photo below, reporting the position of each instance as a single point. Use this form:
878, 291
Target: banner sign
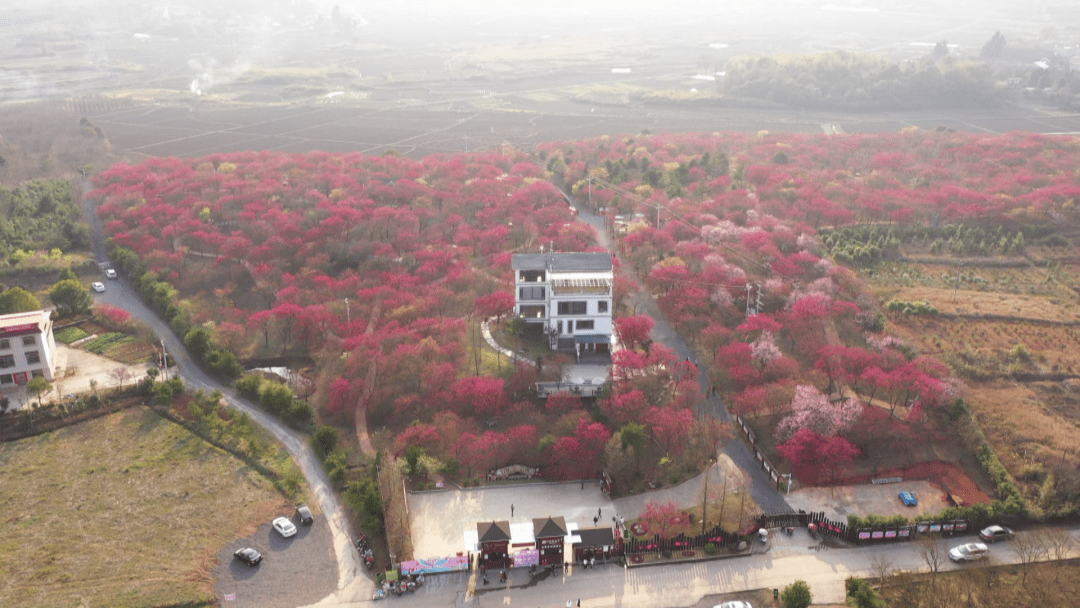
528, 557
437, 564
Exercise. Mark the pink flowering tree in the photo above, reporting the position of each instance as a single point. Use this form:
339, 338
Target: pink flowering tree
813, 410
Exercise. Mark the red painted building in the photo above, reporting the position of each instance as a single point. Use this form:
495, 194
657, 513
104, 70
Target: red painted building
494, 540
550, 535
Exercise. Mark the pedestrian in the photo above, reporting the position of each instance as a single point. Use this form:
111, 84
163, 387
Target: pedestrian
598, 512
569, 604
511, 510
594, 520
582, 484
579, 602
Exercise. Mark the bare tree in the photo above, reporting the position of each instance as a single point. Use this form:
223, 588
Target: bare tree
1058, 543
120, 374
882, 567
1028, 548
931, 552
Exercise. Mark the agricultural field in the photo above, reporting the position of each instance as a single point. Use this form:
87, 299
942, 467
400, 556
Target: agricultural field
125, 510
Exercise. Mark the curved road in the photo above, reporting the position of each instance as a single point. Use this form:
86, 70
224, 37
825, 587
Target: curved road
121, 294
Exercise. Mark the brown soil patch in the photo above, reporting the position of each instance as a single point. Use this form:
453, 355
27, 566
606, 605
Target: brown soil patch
968, 302
946, 476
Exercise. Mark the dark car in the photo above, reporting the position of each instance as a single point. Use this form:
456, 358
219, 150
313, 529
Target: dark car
304, 515
995, 533
249, 556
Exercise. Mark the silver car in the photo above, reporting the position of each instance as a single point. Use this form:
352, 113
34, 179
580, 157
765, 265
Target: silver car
968, 552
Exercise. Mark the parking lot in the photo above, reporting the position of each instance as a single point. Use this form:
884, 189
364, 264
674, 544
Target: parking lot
295, 571
870, 499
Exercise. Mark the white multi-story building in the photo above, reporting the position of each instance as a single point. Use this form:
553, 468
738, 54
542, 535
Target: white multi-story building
27, 347
570, 294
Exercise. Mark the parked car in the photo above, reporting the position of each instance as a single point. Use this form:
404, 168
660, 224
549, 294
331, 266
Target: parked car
908, 498
968, 552
98, 287
735, 604
304, 515
995, 533
110, 273
249, 556
284, 527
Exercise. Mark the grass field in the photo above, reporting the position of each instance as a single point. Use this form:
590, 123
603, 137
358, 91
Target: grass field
124, 511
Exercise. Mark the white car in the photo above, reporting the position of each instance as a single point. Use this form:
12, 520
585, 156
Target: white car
284, 527
110, 273
98, 287
735, 604
969, 552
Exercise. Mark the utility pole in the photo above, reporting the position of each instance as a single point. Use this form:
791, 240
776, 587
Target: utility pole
164, 360
748, 287
348, 313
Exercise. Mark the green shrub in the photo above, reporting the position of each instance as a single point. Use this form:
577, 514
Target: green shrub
797, 595
248, 385
861, 595
710, 549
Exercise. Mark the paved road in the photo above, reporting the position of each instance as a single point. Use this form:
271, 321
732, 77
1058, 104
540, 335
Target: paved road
787, 560
763, 490
121, 294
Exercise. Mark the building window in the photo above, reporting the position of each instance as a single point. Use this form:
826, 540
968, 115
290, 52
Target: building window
531, 292
37, 373
33, 357
572, 308
7, 360
29, 341
584, 325
5, 344
601, 306
6, 379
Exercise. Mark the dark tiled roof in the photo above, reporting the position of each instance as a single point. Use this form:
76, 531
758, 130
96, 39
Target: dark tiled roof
549, 527
563, 262
596, 537
493, 531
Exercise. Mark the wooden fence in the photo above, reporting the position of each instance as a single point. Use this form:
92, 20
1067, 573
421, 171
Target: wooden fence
842, 531
765, 464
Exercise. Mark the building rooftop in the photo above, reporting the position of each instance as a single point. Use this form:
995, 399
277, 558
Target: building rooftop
494, 531
596, 537
23, 321
563, 262
549, 527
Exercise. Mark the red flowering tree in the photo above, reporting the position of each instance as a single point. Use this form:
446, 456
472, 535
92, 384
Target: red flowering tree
809, 452
664, 519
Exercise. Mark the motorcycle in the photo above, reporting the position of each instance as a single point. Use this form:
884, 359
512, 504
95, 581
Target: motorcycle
369, 559
813, 530
789, 530
380, 594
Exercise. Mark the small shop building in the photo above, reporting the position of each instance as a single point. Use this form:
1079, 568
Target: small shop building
593, 543
550, 534
494, 541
